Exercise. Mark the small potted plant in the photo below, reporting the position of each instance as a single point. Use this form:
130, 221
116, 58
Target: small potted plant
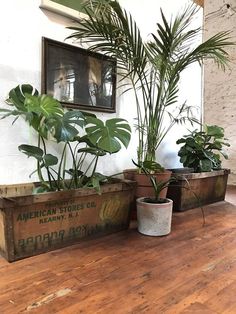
154, 213
71, 200
201, 151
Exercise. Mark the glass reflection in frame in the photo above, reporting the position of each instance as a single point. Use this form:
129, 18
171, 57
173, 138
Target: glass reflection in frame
77, 77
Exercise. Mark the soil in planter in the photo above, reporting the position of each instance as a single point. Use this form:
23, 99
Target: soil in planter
154, 201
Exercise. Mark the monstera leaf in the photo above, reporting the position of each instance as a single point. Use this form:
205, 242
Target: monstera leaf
43, 105
110, 135
50, 160
31, 151
65, 129
40, 109
18, 95
92, 150
36, 109
36, 152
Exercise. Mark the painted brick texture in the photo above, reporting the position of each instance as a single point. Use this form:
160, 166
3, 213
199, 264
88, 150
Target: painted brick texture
220, 87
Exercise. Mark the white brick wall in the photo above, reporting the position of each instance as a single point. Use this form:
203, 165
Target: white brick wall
220, 87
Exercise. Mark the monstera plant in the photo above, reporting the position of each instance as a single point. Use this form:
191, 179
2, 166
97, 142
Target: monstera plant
84, 139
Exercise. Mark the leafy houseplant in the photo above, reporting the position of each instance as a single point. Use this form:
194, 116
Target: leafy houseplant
202, 150
151, 69
81, 134
154, 213
157, 186
77, 203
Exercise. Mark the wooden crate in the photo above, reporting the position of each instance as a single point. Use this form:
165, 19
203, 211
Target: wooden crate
32, 224
197, 189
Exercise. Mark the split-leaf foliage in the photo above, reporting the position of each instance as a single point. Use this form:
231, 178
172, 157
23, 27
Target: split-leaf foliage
83, 138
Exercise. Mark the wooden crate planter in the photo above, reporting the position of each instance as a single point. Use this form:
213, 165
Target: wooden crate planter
197, 189
32, 224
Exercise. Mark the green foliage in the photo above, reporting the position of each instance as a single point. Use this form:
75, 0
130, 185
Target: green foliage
152, 166
158, 186
152, 68
110, 135
83, 136
202, 149
65, 126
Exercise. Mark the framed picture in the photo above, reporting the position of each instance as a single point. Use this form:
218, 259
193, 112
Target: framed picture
69, 8
78, 78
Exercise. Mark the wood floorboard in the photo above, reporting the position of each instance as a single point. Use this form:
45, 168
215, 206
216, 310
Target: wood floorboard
192, 270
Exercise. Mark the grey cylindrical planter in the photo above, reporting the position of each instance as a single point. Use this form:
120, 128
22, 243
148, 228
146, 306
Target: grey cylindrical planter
154, 219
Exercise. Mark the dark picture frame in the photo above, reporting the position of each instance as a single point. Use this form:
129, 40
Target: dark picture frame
77, 77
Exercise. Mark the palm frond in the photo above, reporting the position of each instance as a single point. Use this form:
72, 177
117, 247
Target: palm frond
153, 68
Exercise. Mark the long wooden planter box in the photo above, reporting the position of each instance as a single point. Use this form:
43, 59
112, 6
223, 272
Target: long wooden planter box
32, 224
197, 189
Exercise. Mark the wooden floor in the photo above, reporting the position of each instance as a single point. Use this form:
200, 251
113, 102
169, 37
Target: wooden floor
192, 270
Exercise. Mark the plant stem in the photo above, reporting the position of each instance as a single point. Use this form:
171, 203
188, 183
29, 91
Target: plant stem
74, 165
60, 165
95, 165
39, 171
47, 168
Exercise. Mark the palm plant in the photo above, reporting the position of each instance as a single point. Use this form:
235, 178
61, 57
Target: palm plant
152, 68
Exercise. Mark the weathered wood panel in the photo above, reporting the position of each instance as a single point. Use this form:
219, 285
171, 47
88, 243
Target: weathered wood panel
2, 234
197, 189
39, 223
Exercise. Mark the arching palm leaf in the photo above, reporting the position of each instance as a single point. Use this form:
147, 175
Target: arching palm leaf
153, 67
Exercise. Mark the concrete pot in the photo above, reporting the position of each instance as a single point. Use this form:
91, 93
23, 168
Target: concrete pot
154, 219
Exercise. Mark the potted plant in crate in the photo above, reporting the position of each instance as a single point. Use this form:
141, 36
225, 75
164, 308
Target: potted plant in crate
150, 68
201, 151
71, 208
154, 213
